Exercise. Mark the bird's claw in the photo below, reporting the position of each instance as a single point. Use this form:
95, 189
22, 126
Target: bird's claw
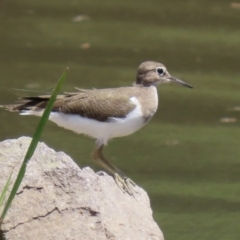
125, 184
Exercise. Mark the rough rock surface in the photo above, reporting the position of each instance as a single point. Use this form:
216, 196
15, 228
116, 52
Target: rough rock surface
58, 200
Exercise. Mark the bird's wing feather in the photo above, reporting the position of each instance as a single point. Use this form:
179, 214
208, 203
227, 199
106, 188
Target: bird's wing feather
100, 104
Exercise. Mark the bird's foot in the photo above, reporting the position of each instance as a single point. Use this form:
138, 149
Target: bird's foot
125, 184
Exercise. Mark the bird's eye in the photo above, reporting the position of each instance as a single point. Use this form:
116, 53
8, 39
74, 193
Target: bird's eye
160, 71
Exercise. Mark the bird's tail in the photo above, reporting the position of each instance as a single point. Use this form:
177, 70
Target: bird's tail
26, 104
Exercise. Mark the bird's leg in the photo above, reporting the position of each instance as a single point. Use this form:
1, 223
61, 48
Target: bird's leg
122, 181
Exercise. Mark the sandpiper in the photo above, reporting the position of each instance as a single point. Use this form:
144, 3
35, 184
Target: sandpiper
104, 114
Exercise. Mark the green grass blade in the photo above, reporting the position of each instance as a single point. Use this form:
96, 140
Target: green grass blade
33, 145
4, 191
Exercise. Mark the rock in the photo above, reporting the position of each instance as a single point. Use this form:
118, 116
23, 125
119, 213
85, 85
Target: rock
58, 200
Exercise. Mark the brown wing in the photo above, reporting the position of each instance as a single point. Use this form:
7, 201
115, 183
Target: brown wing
100, 104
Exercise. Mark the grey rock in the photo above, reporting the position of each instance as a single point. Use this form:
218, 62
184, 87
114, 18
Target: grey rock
58, 200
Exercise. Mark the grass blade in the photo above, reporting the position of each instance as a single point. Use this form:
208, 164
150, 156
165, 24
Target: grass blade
4, 191
33, 145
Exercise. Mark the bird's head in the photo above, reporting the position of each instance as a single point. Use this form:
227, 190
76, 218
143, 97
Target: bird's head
153, 73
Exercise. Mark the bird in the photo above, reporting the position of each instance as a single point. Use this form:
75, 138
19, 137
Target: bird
107, 113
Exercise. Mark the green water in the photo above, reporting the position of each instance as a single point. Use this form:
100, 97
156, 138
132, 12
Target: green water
185, 158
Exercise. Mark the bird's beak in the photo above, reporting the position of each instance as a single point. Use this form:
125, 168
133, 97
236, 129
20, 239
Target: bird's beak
180, 82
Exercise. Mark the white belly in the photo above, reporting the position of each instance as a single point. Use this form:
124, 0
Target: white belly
95, 129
